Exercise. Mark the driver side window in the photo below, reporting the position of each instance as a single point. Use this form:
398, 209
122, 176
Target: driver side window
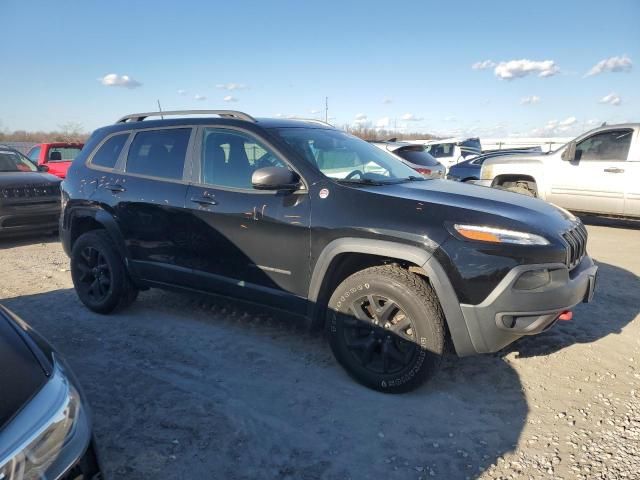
610, 145
229, 158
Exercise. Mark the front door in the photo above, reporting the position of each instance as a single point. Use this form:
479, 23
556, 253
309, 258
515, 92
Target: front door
251, 243
595, 180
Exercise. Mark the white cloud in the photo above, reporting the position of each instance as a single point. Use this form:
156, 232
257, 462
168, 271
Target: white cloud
383, 122
182, 92
199, 97
278, 115
410, 117
556, 127
483, 65
521, 68
361, 119
230, 98
611, 64
387, 100
450, 118
231, 86
611, 99
531, 100
314, 111
115, 80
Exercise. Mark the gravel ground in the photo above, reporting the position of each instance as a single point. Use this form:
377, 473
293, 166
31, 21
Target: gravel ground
186, 387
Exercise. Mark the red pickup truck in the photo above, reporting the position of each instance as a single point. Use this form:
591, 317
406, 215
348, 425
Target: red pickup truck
57, 156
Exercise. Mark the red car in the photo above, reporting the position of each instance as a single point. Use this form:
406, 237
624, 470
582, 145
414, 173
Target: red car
57, 156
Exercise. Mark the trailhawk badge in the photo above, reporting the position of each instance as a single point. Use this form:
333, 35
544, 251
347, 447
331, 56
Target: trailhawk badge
324, 193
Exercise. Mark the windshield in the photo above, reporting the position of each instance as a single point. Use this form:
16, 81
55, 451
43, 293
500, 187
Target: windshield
440, 150
346, 158
11, 161
417, 154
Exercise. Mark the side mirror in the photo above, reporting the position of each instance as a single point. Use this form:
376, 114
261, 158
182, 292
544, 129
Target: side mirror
569, 154
43, 168
275, 178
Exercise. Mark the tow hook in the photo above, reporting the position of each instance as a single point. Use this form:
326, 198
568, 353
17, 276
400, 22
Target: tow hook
566, 315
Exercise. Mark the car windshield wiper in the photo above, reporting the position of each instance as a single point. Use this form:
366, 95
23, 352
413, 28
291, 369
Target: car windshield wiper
362, 181
413, 178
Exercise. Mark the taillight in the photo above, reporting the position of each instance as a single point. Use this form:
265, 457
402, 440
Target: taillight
423, 171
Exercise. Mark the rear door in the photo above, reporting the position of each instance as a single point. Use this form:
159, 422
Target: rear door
632, 178
247, 243
147, 194
595, 181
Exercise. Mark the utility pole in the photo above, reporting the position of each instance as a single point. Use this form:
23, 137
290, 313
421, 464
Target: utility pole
326, 109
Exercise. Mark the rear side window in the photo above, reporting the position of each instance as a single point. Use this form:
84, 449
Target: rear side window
417, 155
159, 153
441, 150
107, 155
34, 154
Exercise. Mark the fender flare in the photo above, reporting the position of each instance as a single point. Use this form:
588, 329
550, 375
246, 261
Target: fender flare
418, 256
107, 221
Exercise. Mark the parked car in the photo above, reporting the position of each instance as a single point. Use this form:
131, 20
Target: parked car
45, 425
414, 156
598, 172
29, 196
57, 156
451, 151
470, 169
300, 216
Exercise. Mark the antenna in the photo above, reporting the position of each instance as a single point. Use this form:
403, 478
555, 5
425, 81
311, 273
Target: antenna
326, 109
160, 110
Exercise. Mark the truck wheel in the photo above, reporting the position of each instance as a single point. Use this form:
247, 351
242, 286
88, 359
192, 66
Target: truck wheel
99, 275
521, 190
386, 328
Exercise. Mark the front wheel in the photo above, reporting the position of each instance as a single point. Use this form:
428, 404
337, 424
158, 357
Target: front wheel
386, 328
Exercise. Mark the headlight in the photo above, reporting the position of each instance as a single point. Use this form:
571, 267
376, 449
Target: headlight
48, 435
484, 233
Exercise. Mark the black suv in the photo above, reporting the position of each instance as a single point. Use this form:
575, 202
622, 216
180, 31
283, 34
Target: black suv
301, 216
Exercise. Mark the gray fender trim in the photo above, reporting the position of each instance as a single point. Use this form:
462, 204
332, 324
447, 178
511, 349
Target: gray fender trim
451, 308
418, 256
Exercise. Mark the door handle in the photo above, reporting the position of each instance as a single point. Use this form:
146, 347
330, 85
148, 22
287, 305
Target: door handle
114, 188
204, 200
614, 170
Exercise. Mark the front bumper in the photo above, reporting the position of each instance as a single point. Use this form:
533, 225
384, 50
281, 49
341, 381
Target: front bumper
87, 467
29, 217
509, 313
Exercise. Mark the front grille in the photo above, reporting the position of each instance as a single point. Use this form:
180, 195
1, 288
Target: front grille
30, 191
576, 239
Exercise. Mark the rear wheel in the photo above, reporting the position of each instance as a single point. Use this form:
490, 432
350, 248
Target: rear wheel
523, 187
386, 328
99, 275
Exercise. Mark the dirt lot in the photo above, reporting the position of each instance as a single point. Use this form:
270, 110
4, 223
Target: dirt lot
186, 387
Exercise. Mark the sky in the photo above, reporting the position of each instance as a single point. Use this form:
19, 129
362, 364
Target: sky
485, 68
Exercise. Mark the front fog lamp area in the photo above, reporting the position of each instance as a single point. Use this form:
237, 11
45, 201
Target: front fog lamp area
533, 279
49, 434
483, 233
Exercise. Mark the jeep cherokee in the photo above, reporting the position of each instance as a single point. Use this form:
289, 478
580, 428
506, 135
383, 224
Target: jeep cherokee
300, 216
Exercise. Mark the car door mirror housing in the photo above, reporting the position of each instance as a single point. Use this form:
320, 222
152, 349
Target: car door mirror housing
43, 168
569, 154
275, 178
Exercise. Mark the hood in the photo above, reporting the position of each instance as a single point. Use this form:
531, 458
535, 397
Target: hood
22, 374
27, 179
470, 203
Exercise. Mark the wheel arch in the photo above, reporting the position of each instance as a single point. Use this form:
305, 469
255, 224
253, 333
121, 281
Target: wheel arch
343, 257
85, 219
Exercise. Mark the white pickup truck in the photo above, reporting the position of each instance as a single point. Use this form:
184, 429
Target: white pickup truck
598, 172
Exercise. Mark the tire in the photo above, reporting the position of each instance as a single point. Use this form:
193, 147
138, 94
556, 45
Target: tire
521, 191
99, 275
407, 345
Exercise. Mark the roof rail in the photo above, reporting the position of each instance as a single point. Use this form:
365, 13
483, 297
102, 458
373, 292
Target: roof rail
138, 117
313, 120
